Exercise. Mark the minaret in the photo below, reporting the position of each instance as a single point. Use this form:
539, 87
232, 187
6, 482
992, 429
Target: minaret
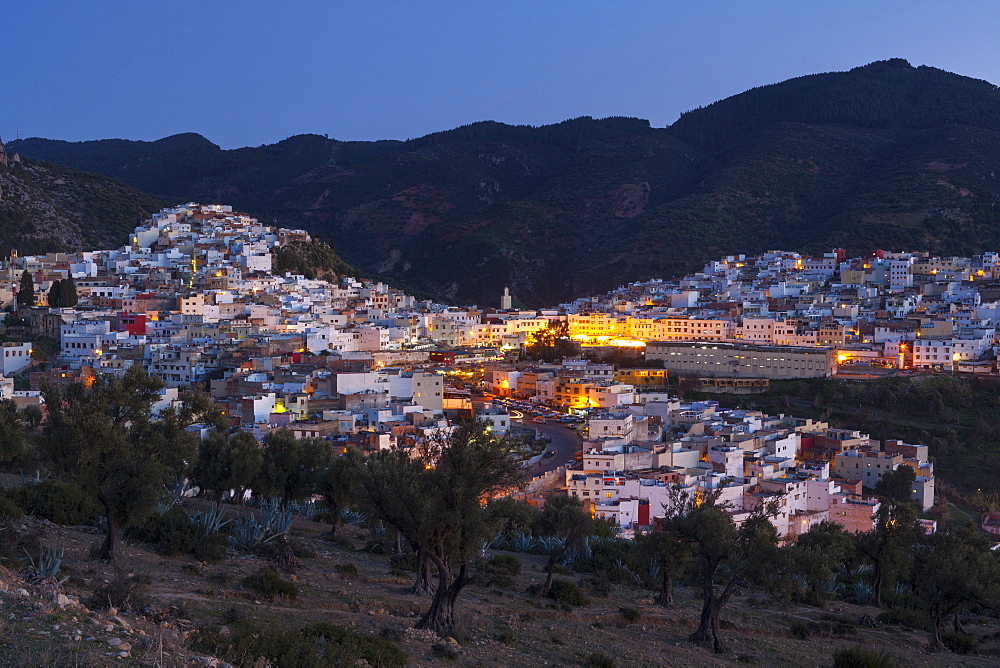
506, 300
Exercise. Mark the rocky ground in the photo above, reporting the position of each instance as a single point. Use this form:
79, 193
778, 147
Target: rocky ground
187, 605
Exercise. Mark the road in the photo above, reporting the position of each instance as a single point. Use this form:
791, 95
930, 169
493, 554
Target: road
566, 443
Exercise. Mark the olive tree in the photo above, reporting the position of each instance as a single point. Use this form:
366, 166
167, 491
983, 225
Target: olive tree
436, 499
103, 437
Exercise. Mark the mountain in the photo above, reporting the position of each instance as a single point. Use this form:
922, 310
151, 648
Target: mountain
46, 207
883, 156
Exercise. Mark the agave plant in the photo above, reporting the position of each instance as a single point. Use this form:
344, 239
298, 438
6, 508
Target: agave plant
248, 534
522, 542
550, 544
163, 505
211, 520
37, 480
49, 562
180, 486
498, 541
277, 519
863, 593
353, 517
308, 509
376, 539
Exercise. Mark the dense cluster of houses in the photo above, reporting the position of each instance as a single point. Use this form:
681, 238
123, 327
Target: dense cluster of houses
902, 310
192, 297
636, 459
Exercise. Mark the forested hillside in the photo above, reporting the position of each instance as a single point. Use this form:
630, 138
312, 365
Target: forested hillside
886, 155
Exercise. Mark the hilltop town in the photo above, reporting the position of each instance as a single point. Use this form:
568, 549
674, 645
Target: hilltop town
192, 298
596, 402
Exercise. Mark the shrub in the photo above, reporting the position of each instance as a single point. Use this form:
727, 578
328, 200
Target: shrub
568, 593
9, 510
960, 643
125, 592
507, 637
630, 614
269, 584
350, 647
599, 660
347, 570
404, 562
59, 502
170, 534
315, 646
800, 629
861, 657
907, 617
211, 549
502, 564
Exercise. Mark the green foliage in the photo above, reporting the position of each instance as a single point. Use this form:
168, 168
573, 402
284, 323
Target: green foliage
895, 486
336, 481
102, 437
314, 259
952, 571
515, 515
270, 585
407, 561
63, 293
170, 534
606, 554
862, 657
13, 442
960, 643
61, 209
568, 593
434, 502
550, 344
908, 617
888, 547
9, 510
59, 502
26, 290
227, 462
290, 467
321, 645
814, 561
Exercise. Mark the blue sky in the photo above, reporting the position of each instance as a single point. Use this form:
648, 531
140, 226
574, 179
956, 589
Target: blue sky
251, 72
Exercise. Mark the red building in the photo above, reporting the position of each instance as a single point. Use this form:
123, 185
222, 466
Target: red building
133, 323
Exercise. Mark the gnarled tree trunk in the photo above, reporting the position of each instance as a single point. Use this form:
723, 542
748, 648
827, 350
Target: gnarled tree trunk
666, 595
423, 584
440, 617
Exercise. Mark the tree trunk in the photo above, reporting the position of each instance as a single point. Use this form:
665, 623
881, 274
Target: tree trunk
717, 645
936, 642
335, 515
707, 609
550, 571
440, 617
422, 585
958, 622
877, 579
111, 550
666, 595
